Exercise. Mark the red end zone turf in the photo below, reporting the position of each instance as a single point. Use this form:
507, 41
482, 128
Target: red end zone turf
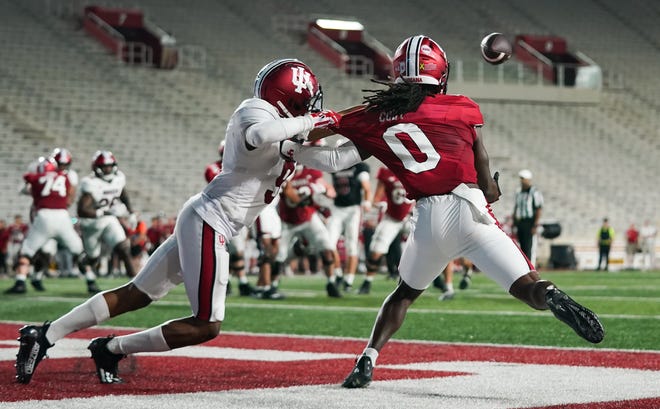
68, 377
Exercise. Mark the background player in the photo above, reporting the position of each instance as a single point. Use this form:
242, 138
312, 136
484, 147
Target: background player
397, 211
52, 194
300, 220
353, 189
103, 198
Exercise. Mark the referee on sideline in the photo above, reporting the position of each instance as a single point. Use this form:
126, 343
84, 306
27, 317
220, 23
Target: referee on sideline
526, 214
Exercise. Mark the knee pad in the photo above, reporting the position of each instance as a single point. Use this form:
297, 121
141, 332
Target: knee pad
327, 258
123, 248
373, 263
84, 260
40, 261
265, 258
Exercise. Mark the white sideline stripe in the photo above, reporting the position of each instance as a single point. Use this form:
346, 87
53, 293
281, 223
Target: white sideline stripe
488, 385
413, 310
77, 348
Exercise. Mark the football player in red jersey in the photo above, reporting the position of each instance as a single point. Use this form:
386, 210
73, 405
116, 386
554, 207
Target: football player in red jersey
433, 143
300, 219
398, 207
52, 193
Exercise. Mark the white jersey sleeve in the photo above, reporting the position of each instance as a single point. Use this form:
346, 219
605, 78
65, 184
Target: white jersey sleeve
251, 177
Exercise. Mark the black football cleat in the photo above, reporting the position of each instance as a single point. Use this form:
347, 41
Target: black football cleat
272, 294
38, 285
18, 288
361, 375
245, 289
31, 351
439, 283
584, 322
465, 282
332, 290
92, 288
106, 362
365, 288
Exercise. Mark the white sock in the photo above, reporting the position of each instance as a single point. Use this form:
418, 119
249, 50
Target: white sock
450, 287
91, 312
371, 353
349, 279
339, 272
149, 340
369, 278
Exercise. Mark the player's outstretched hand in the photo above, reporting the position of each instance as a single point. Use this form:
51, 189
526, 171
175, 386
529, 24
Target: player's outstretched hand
325, 118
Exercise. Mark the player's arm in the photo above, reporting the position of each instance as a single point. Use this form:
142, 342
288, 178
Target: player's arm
379, 194
482, 164
125, 200
366, 190
71, 195
291, 194
323, 158
280, 129
87, 206
316, 134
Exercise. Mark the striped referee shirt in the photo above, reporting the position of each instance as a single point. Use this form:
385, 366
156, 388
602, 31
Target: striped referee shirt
527, 201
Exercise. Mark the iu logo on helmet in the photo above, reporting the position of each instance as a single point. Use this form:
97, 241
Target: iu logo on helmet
300, 79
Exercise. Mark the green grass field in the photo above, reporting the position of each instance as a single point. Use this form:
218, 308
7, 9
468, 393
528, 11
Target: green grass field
627, 302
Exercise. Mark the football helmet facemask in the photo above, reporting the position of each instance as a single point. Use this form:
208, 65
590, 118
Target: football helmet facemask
221, 149
420, 60
62, 156
46, 164
290, 86
104, 165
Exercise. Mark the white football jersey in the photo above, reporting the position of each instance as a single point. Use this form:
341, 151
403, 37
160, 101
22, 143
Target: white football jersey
250, 179
105, 193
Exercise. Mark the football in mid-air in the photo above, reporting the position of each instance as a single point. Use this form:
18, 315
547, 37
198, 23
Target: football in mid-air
495, 48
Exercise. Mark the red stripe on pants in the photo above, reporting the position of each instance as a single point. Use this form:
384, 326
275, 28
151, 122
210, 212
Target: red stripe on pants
206, 273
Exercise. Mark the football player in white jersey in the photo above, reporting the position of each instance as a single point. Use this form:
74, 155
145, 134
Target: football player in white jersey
103, 199
286, 104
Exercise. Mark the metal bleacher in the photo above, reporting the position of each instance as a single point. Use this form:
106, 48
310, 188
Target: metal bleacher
58, 87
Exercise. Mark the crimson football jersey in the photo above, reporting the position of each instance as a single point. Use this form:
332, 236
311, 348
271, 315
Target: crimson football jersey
302, 212
212, 170
429, 150
49, 189
398, 206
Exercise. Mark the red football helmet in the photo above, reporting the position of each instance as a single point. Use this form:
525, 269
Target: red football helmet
104, 165
421, 60
62, 156
290, 86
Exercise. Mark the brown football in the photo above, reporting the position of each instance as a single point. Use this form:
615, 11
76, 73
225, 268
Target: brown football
495, 48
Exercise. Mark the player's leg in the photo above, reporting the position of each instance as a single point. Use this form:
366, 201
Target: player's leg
157, 277
501, 260
318, 237
418, 268
385, 233
448, 291
37, 236
352, 222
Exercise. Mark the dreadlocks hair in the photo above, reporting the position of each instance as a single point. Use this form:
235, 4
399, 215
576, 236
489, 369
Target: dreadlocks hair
398, 98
